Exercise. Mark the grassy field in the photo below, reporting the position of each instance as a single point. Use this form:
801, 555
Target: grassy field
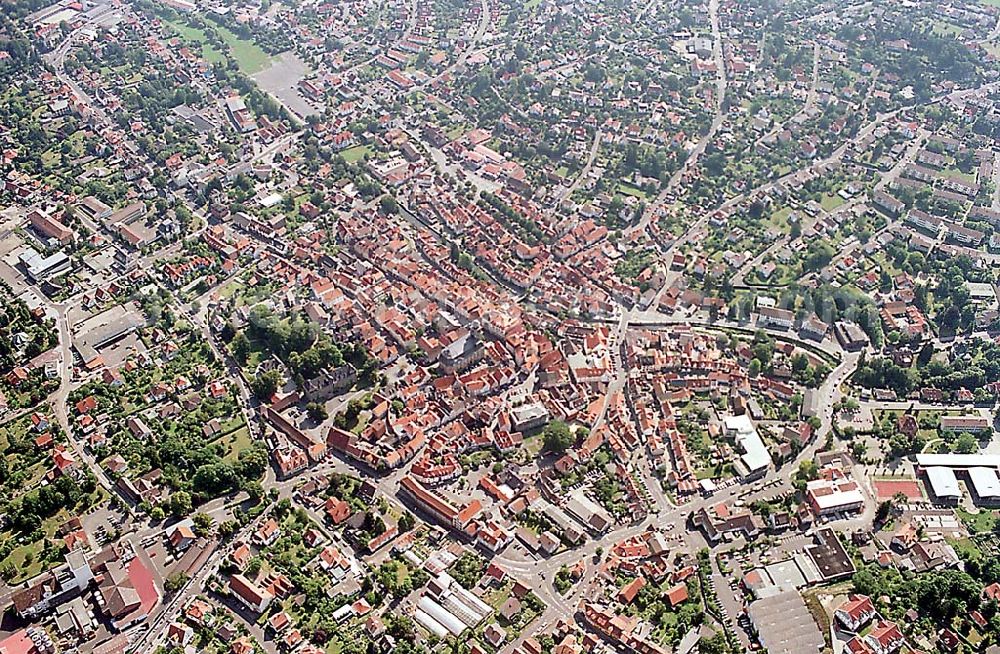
32, 464
19, 557
14, 431
250, 57
628, 189
27, 558
357, 153
195, 35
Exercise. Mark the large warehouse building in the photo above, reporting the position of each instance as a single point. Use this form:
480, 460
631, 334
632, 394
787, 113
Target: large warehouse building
980, 472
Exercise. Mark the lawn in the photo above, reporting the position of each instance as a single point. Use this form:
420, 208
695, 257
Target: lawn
363, 418
235, 443
30, 465
14, 431
831, 201
983, 521
357, 153
966, 549
51, 159
195, 35
229, 289
18, 556
704, 473
955, 172
886, 263
258, 352
779, 218
496, 596
32, 551
250, 57
628, 189
231, 423
942, 28
534, 444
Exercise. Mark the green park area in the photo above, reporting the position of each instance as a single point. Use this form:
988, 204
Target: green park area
249, 56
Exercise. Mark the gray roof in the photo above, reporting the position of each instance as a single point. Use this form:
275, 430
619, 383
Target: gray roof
959, 460
784, 624
943, 482
985, 482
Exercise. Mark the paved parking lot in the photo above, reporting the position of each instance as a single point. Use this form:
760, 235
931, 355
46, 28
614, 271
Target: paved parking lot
731, 599
281, 80
10, 248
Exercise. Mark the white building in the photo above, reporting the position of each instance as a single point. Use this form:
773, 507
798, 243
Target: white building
755, 458
944, 484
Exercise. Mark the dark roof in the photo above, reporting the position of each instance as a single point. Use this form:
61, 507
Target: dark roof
830, 556
27, 598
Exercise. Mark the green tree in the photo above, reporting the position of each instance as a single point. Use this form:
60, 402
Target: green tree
266, 385
180, 504
557, 437
175, 582
241, 348
388, 205
317, 411
966, 443
882, 512
251, 466
202, 524
808, 470
716, 644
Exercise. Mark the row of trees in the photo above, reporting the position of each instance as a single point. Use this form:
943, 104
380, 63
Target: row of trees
523, 227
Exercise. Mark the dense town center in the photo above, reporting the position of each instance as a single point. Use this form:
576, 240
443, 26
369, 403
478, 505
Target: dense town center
499, 326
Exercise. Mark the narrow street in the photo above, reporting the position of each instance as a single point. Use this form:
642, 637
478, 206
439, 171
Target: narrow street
806, 107
591, 158
718, 58
59, 399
